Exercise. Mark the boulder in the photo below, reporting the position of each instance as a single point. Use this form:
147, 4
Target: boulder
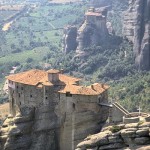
143, 132
142, 140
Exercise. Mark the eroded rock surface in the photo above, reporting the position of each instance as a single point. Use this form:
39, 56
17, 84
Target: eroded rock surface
130, 136
46, 128
69, 39
93, 32
137, 29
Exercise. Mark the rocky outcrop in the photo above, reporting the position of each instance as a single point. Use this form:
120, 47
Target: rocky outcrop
119, 137
48, 128
93, 32
69, 39
33, 129
137, 29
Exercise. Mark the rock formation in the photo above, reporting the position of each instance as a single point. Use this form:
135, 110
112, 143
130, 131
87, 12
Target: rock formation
133, 136
30, 130
94, 30
38, 129
137, 29
51, 111
69, 39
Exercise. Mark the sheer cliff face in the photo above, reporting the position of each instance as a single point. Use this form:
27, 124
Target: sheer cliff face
137, 29
133, 136
52, 127
69, 39
94, 30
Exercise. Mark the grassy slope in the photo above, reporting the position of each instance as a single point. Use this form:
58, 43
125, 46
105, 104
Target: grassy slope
33, 36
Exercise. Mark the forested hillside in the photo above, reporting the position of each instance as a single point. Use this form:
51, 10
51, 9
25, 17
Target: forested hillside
35, 36
35, 40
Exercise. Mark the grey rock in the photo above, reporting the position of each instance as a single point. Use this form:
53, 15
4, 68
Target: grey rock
143, 132
112, 146
142, 140
69, 39
115, 139
132, 137
130, 132
137, 29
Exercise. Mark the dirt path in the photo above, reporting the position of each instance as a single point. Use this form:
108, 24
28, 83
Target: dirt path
7, 26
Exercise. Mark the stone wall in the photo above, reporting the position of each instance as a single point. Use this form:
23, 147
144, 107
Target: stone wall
24, 95
60, 122
81, 116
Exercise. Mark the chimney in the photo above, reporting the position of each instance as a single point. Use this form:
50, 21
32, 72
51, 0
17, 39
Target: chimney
53, 75
62, 71
102, 85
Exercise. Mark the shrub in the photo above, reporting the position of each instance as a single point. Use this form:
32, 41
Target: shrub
115, 129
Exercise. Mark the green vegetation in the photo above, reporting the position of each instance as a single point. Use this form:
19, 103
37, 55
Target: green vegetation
115, 128
4, 14
140, 123
36, 39
114, 66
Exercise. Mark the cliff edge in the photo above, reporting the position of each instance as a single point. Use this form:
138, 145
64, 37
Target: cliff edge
137, 30
133, 136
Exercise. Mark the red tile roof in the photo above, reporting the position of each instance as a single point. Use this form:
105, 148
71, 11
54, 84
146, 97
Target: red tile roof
82, 90
39, 78
33, 77
93, 14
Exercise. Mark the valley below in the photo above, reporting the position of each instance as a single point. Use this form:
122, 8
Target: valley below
98, 41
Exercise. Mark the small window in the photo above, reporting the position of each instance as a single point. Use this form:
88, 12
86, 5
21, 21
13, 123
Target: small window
68, 94
74, 106
100, 99
19, 94
17, 86
46, 97
21, 88
31, 96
